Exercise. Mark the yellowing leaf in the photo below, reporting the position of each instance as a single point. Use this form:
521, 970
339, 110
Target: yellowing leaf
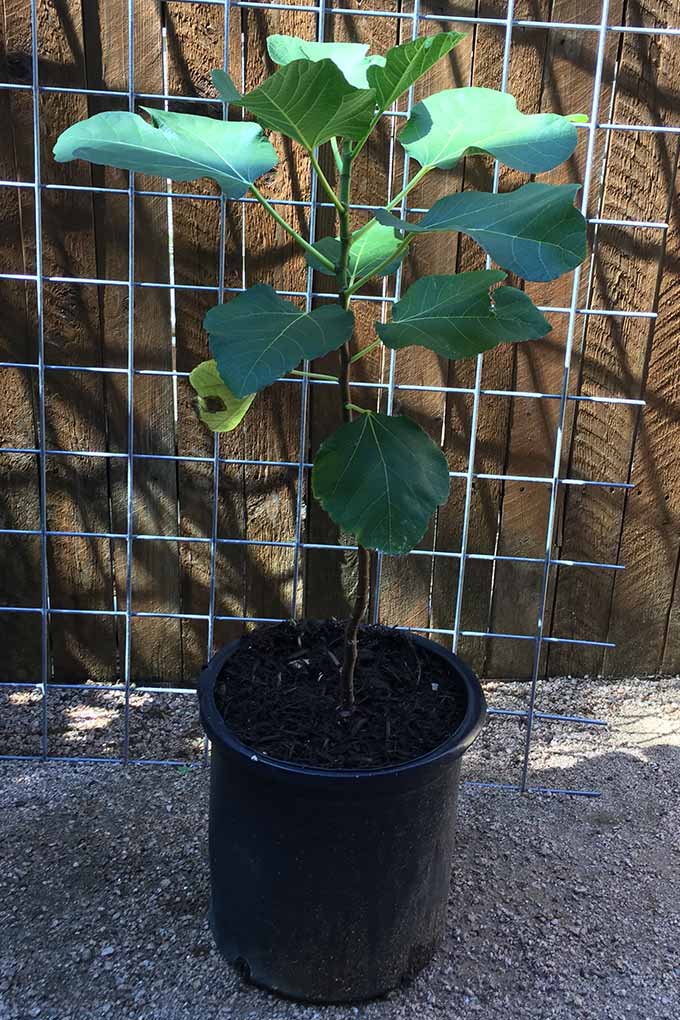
218, 408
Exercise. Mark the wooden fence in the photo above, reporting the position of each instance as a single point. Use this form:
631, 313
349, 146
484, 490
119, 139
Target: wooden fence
84, 235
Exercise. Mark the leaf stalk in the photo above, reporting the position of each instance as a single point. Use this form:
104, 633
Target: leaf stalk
324, 182
290, 229
365, 350
314, 375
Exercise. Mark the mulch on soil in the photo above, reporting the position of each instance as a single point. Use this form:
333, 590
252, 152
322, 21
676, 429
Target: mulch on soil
280, 695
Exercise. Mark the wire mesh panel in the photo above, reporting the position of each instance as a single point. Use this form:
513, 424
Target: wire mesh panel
133, 542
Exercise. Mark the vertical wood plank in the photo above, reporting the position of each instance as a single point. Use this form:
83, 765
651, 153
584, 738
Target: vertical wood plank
80, 569
271, 493
512, 587
499, 365
562, 79
639, 169
411, 590
485, 71
195, 43
156, 643
644, 617
20, 503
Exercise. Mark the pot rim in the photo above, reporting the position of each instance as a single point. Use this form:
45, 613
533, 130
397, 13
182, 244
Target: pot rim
454, 746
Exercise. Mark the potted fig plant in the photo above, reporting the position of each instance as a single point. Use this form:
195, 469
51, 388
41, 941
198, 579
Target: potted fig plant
336, 747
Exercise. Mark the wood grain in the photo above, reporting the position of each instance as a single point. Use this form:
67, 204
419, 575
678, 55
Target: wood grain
615, 350
155, 644
80, 569
561, 66
195, 37
408, 584
643, 621
86, 326
19, 480
499, 368
271, 492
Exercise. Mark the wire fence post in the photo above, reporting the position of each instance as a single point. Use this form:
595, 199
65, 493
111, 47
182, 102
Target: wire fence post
568, 348
479, 365
40, 325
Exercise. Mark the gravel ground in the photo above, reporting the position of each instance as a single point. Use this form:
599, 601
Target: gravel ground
561, 907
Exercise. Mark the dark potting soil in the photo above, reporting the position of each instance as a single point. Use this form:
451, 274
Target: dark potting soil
279, 694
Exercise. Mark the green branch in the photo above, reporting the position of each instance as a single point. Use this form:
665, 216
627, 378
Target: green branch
314, 375
323, 181
342, 271
336, 154
362, 141
364, 351
290, 230
417, 178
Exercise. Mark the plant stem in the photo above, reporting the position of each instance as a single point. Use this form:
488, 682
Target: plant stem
336, 154
343, 273
416, 179
344, 220
313, 375
323, 181
363, 555
351, 631
290, 230
365, 350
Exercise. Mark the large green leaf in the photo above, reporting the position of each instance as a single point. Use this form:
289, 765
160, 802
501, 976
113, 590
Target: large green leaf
534, 231
309, 101
218, 408
457, 316
368, 251
350, 58
257, 337
390, 75
180, 146
476, 121
405, 64
381, 478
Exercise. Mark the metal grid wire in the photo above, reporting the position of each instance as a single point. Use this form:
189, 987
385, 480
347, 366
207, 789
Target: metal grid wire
412, 20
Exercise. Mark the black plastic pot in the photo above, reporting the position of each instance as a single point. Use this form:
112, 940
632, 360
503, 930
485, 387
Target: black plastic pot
331, 886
